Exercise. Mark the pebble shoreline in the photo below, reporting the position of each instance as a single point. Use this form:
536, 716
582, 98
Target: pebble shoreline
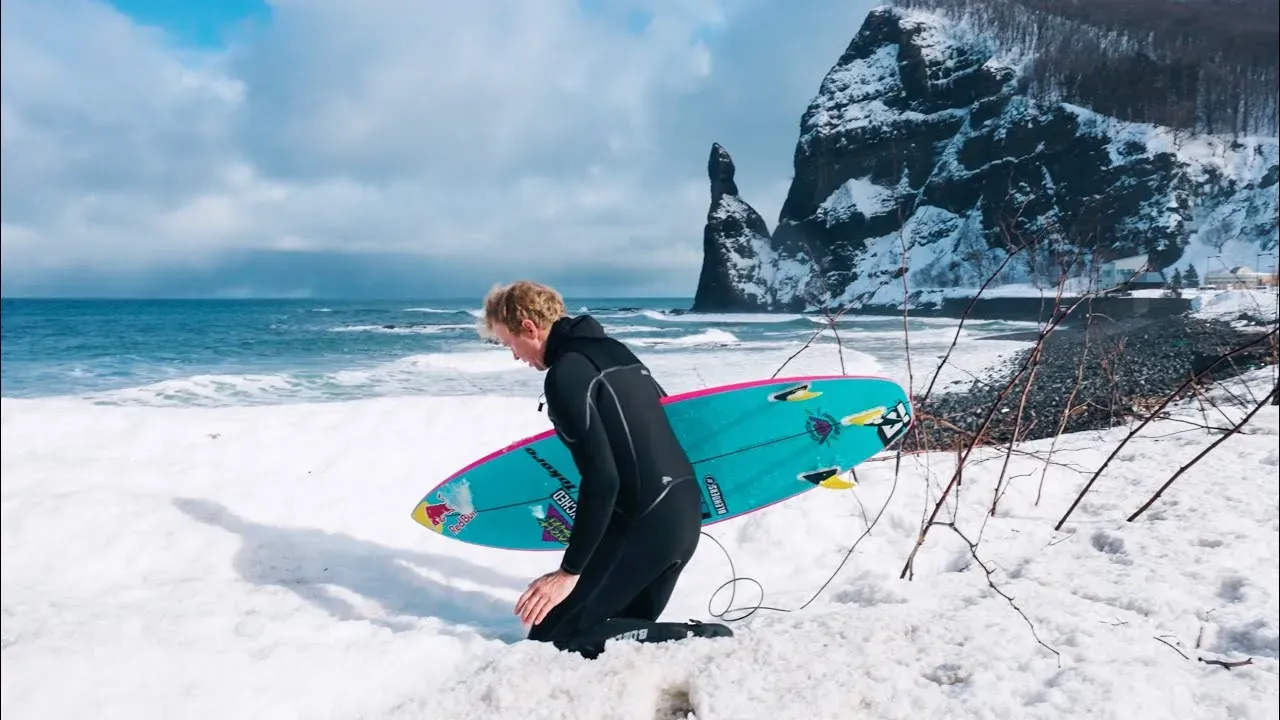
1129, 367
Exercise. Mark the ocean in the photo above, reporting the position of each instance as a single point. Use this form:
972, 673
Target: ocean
253, 352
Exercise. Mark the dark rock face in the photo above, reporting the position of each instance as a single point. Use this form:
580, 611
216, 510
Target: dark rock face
735, 246
922, 156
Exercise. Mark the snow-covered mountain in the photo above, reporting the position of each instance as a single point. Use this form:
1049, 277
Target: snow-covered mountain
925, 150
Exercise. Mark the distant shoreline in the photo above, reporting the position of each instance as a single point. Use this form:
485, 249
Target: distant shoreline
1108, 371
1013, 308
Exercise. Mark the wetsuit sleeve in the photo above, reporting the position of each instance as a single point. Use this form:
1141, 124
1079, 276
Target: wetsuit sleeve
573, 410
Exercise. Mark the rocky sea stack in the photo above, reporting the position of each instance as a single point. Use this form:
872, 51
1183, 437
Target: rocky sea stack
734, 231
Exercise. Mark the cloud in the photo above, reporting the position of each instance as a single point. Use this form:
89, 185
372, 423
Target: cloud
478, 140
404, 85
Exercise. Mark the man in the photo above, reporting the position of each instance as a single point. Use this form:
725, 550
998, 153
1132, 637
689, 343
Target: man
639, 514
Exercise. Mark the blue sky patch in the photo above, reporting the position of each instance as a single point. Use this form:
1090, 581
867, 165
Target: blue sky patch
198, 23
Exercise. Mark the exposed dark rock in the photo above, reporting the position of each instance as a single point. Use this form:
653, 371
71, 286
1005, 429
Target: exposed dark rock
1129, 366
735, 245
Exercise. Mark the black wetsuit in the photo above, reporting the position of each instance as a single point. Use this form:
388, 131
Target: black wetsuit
639, 512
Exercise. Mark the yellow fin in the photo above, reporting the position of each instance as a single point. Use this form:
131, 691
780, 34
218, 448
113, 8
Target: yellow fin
798, 393
863, 418
835, 482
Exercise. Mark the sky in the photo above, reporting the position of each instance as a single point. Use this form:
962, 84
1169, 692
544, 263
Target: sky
391, 148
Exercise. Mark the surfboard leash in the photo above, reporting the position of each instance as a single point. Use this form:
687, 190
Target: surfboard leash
734, 578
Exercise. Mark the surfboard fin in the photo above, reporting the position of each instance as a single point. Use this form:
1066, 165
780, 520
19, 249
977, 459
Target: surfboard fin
828, 478
799, 393
864, 417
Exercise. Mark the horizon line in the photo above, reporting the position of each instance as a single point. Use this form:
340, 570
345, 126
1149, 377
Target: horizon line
320, 298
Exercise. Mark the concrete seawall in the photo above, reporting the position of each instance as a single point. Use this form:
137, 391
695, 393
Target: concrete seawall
1041, 309
1033, 309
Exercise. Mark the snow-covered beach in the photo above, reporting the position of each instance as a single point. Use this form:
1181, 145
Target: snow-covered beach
259, 561
246, 246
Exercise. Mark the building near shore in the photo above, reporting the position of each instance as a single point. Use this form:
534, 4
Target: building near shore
1121, 272
1240, 277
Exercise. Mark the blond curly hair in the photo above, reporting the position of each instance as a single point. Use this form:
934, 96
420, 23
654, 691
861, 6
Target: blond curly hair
511, 304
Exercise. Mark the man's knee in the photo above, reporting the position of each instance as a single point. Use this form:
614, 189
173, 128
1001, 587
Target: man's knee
559, 622
541, 632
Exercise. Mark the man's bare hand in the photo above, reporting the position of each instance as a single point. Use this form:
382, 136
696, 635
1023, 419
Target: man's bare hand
543, 594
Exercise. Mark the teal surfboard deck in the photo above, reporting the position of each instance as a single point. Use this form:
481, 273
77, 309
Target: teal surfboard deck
752, 444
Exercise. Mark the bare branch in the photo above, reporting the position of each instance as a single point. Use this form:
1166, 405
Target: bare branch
1226, 664
1116, 451
1234, 429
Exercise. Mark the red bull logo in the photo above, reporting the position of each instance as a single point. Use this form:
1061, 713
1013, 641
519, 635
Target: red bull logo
435, 515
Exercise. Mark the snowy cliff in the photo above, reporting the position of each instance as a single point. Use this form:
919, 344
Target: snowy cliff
924, 150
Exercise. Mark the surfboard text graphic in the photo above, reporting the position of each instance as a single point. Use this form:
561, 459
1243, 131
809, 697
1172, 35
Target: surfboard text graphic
717, 498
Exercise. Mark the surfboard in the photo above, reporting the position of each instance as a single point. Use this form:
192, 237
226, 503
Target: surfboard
752, 444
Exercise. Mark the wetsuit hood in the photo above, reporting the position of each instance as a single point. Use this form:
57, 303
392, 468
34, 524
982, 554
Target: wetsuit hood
568, 331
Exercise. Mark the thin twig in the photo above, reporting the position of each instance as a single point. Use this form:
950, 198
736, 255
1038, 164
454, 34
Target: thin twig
963, 317
1175, 648
1226, 664
973, 552
835, 331
1067, 409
